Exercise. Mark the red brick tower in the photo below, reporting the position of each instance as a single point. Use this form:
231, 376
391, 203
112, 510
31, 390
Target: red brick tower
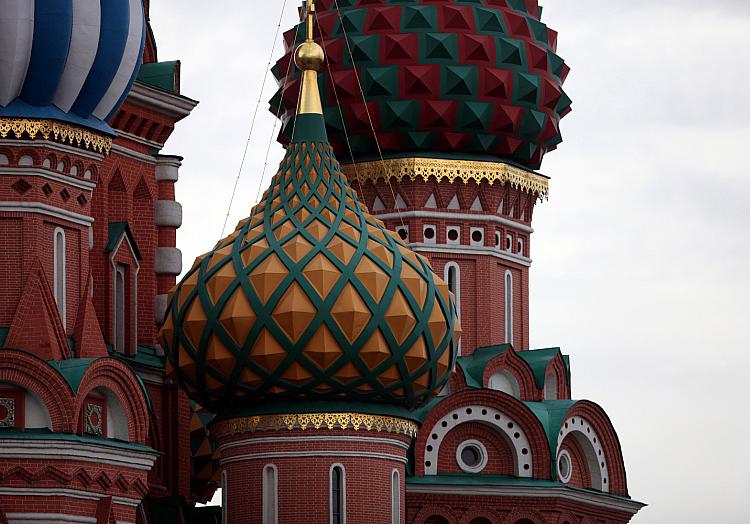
441, 113
89, 427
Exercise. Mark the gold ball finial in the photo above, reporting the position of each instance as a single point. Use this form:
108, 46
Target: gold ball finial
309, 56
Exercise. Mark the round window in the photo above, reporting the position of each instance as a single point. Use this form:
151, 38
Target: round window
471, 456
453, 235
476, 236
564, 467
403, 233
429, 233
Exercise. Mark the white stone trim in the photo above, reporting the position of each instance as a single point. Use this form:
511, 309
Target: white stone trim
471, 250
168, 168
168, 261
134, 278
564, 456
320, 438
270, 511
140, 140
68, 493
303, 454
456, 216
51, 518
45, 209
168, 213
508, 297
72, 451
55, 146
161, 302
60, 273
578, 496
484, 414
49, 175
585, 434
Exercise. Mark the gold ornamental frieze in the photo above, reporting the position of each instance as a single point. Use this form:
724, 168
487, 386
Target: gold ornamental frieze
444, 169
305, 421
59, 131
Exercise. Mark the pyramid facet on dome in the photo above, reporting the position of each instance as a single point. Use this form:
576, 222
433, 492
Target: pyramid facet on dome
311, 298
474, 79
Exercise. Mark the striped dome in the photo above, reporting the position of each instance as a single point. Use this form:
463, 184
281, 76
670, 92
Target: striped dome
69, 60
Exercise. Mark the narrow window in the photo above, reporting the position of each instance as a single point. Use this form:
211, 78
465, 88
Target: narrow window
453, 277
59, 273
508, 307
338, 495
395, 498
224, 498
270, 500
119, 313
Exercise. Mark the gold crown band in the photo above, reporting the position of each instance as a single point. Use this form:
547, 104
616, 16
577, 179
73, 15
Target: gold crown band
463, 170
61, 132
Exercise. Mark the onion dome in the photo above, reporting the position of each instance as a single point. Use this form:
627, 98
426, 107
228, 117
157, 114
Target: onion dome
69, 60
311, 298
446, 77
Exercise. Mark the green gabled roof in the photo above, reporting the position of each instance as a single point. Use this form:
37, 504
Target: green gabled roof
551, 414
474, 365
160, 75
46, 434
538, 360
116, 230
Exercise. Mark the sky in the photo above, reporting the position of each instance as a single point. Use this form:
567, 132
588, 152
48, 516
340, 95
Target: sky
640, 254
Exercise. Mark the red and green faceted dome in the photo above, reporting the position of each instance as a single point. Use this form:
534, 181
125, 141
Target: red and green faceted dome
466, 78
311, 299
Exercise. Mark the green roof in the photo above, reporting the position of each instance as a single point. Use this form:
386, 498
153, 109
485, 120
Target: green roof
551, 413
474, 365
72, 370
160, 75
538, 360
116, 230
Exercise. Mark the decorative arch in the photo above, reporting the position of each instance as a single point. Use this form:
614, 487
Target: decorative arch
34, 155
607, 437
581, 430
112, 375
567, 518
36, 376
428, 512
524, 516
559, 370
516, 423
474, 514
510, 361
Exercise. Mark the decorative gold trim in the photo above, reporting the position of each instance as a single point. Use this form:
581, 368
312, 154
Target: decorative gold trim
303, 421
464, 170
62, 132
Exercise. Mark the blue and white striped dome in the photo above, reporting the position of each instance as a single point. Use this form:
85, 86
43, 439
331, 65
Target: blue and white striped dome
69, 60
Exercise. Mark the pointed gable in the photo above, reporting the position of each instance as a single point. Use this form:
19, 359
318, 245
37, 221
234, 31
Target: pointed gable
88, 333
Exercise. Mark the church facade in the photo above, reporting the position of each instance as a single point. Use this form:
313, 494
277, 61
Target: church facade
357, 349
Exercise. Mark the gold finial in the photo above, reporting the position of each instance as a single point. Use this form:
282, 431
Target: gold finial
309, 57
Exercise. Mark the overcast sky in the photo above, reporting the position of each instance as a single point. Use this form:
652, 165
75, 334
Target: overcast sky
641, 254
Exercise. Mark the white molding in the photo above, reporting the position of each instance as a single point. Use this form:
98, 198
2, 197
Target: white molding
523, 464
135, 155
45, 209
55, 146
594, 499
168, 213
274, 492
71, 451
134, 278
471, 250
455, 216
49, 175
140, 140
508, 297
167, 103
396, 497
483, 456
320, 438
43, 518
168, 261
304, 454
168, 168
62, 301
161, 302
68, 493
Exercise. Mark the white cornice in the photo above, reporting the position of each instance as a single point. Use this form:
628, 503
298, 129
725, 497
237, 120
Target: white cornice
471, 250
309, 454
177, 106
55, 146
72, 451
135, 155
326, 438
49, 175
45, 209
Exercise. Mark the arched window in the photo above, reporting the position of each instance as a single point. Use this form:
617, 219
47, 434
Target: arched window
550, 387
505, 381
224, 498
453, 278
508, 307
395, 497
338, 494
270, 497
119, 316
59, 272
